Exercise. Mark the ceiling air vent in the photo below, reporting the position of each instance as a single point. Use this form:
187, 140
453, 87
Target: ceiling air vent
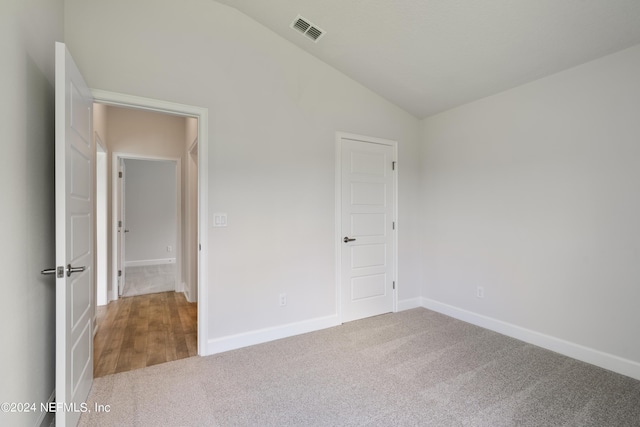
307, 28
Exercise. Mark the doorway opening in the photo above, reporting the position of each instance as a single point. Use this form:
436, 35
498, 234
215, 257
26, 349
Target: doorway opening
150, 225
176, 248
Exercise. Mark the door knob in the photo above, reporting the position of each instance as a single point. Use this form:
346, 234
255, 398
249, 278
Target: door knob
346, 240
74, 269
59, 272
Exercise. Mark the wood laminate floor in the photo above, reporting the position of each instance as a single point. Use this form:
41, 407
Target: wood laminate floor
144, 330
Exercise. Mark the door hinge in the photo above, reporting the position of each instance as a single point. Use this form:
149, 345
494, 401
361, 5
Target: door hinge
119, 174
199, 247
393, 165
394, 285
119, 273
120, 224
393, 225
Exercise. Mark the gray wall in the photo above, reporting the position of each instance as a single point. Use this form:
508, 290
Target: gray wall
28, 30
273, 114
533, 194
530, 193
151, 210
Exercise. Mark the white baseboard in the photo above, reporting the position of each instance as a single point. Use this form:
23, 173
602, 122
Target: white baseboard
145, 262
189, 294
260, 336
576, 351
408, 304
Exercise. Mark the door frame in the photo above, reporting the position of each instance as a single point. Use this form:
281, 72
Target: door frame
340, 136
202, 115
118, 207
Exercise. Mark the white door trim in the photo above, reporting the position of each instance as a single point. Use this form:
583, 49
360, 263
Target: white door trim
202, 114
340, 136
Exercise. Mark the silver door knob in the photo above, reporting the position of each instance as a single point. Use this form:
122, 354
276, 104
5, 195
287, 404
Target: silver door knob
347, 240
74, 269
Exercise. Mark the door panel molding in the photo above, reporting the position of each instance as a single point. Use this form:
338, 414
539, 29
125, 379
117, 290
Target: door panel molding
363, 164
74, 220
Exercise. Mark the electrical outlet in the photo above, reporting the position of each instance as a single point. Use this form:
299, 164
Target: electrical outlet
169, 249
480, 292
283, 299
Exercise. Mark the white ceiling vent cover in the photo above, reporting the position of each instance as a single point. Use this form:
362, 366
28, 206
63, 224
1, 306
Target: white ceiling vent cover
307, 28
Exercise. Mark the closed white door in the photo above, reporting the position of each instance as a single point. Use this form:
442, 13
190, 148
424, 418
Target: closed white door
74, 187
367, 223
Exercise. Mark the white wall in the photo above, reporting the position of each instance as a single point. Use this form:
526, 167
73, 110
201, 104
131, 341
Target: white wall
151, 211
273, 114
533, 194
28, 30
103, 205
101, 235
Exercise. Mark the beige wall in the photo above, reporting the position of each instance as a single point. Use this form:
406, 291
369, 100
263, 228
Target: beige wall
28, 30
100, 123
145, 133
190, 272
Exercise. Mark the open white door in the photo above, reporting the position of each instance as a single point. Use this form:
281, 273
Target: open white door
74, 239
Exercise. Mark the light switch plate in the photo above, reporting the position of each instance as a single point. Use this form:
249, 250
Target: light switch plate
220, 219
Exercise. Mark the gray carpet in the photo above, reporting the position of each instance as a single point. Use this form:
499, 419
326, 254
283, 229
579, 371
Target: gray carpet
149, 279
413, 368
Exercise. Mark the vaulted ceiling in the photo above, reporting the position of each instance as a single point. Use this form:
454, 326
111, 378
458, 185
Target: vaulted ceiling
427, 56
